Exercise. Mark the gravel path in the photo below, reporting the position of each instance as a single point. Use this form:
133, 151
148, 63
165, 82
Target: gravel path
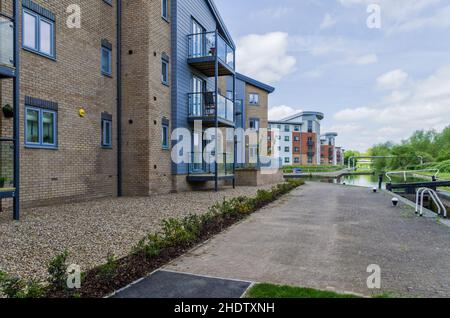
325, 236
91, 230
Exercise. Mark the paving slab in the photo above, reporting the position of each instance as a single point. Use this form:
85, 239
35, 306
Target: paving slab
325, 236
166, 284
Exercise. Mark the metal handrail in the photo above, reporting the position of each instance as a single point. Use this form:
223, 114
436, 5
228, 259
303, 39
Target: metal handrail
433, 195
388, 174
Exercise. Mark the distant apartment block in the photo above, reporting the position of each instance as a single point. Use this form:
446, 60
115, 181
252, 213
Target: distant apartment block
298, 139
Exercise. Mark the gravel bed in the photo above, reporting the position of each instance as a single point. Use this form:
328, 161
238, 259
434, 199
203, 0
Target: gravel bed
91, 230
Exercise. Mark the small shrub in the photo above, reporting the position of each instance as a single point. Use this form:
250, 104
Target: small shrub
57, 270
175, 233
193, 224
109, 270
155, 244
14, 287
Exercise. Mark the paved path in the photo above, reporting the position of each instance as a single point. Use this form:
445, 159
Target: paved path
332, 174
325, 236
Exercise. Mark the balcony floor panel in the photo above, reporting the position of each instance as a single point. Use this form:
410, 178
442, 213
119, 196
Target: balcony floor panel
206, 65
204, 177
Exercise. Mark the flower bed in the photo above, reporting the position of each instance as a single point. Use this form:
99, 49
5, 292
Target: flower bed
176, 237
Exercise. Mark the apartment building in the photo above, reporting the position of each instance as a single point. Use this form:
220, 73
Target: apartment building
298, 138
328, 149
92, 89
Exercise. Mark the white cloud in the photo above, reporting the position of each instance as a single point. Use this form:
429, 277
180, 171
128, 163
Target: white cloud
327, 22
280, 112
425, 104
392, 80
265, 57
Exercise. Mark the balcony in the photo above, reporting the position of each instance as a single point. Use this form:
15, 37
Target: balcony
311, 154
205, 107
202, 171
204, 48
7, 64
310, 143
6, 168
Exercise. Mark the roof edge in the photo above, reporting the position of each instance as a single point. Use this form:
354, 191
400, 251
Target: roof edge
255, 83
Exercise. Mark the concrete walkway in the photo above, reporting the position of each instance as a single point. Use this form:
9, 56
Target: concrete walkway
332, 174
325, 236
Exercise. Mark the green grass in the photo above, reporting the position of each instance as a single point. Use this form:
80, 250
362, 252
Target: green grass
275, 291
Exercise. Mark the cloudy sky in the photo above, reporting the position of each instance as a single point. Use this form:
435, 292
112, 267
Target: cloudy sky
373, 84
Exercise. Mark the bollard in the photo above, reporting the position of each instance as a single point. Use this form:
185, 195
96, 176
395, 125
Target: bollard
380, 181
433, 178
394, 201
375, 190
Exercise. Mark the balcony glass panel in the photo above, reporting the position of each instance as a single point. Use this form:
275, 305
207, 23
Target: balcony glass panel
204, 45
6, 165
7, 42
204, 105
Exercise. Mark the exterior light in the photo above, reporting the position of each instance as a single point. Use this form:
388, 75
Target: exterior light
394, 201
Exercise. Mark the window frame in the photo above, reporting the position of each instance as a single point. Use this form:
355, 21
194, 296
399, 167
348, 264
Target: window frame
287, 160
166, 7
166, 63
286, 138
104, 143
109, 51
165, 143
37, 34
41, 144
255, 120
250, 99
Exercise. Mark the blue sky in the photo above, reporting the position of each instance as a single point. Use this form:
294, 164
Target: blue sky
373, 84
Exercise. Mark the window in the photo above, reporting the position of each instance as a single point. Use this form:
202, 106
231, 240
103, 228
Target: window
38, 34
269, 127
254, 124
106, 61
287, 160
310, 160
40, 127
165, 9
296, 149
286, 138
253, 99
287, 128
108, 2
297, 128
165, 72
296, 138
269, 138
310, 126
286, 149
279, 127
106, 133
165, 136
296, 160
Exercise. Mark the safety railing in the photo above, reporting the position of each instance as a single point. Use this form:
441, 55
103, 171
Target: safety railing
6, 164
7, 41
204, 105
420, 195
204, 45
404, 174
204, 163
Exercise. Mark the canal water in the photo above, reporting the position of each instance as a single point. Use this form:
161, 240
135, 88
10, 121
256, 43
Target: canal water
368, 181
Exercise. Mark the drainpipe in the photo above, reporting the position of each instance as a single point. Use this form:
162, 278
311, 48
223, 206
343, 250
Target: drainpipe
16, 122
119, 98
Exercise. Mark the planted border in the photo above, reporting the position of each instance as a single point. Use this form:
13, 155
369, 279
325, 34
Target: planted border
175, 238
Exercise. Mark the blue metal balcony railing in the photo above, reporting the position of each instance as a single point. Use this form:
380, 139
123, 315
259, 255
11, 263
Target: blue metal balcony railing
310, 143
204, 45
204, 105
6, 164
199, 165
7, 41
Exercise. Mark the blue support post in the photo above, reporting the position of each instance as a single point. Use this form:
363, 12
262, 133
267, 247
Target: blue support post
16, 123
216, 77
